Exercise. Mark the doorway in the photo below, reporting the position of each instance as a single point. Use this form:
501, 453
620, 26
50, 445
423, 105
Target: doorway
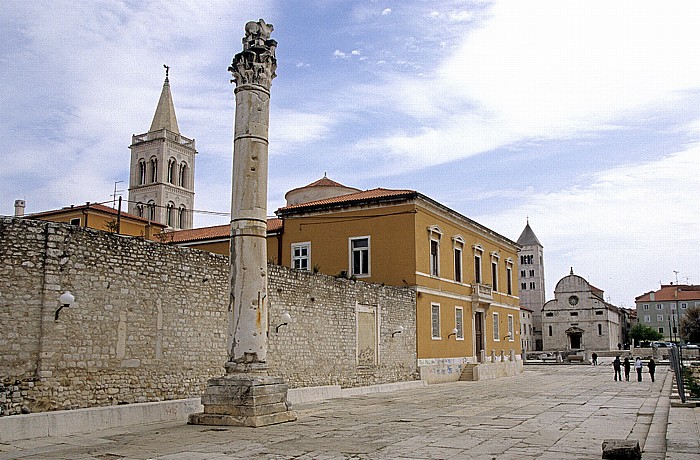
479, 334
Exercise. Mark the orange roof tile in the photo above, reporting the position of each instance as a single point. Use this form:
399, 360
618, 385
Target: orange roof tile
374, 194
93, 207
672, 292
215, 232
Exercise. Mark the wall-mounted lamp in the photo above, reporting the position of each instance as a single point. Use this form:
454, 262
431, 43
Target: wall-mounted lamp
65, 300
399, 330
284, 320
454, 332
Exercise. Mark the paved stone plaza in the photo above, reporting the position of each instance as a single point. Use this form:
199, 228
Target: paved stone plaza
548, 412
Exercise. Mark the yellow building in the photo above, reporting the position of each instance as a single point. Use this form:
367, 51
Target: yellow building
467, 300
101, 217
467, 304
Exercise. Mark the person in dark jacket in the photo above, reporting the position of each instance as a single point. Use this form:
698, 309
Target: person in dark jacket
652, 368
627, 365
616, 367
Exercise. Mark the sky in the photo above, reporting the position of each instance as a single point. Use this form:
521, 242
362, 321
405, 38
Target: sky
581, 116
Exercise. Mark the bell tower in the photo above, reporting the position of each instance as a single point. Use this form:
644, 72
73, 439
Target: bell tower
161, 179
531, 279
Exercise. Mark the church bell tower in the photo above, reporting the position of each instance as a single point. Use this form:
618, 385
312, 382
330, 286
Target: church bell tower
161, 180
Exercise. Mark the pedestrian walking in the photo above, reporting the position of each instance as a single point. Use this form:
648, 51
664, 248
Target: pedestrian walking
652, 368
617, 365
595, 358
627, 365
638, 368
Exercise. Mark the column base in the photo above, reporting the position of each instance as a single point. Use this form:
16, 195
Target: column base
244, 399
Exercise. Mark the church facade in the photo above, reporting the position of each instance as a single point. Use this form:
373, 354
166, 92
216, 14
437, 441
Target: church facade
579, 318
161, 179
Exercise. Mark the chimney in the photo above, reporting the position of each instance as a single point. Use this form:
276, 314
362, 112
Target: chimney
19, 208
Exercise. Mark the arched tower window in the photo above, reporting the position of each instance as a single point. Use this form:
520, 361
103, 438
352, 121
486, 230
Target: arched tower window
154, 169
139, 209
170, 214
152, 210
142, 172
183, 174
182, 216
172, 170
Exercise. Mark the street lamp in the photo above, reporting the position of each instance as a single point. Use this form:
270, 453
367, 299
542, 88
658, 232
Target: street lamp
66, 299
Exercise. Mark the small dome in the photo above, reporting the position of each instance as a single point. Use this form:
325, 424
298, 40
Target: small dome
322, 189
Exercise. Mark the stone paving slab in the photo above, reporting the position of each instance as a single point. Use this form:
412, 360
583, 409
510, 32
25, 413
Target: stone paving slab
548, 412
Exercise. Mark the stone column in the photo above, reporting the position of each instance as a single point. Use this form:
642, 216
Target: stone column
247, 395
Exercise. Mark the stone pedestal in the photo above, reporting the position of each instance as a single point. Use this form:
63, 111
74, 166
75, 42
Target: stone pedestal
244, 399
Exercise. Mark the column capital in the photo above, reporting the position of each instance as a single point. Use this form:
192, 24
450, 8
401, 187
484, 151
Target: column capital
256, 64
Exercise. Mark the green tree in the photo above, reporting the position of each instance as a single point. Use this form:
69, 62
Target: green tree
690, 325
642, 333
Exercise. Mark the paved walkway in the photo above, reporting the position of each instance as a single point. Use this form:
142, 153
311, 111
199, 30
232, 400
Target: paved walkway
548, 412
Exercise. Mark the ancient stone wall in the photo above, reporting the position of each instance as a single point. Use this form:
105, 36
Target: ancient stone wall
149, 322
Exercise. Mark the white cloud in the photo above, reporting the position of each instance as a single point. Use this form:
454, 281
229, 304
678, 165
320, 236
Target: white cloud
294, 127
546, 70
622, 231
386, 11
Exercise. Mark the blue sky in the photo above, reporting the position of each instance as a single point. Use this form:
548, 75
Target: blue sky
582, 115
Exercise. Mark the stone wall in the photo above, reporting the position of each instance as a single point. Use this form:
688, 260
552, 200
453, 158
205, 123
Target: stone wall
149, 321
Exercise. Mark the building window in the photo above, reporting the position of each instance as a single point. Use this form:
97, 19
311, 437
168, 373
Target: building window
169, 215
172, 165
458, 264
496, 332
459, 323
522, 274
684, 306
550, 331
142, 172
532, 285
659, 318
600, 329
509, 280
494, 275
532, 272
434, 257
359, 256
151, 210
573, 313
598, 312
435, 320
511, 328
477, 269
182, 216
139, 209
183, 174
646, 306
301, 255
647, 318
523, 286
526, 260
659, 306
661, 330
75, 221
154, 169
549, 313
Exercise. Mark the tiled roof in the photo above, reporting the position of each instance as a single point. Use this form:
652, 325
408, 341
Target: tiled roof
374, 194
324, 182
215, 232
92, 207
672, 292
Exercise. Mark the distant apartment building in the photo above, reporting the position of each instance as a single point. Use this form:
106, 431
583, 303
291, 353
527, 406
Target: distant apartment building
663, 309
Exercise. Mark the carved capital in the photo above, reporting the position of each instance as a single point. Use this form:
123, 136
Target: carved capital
256, 64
